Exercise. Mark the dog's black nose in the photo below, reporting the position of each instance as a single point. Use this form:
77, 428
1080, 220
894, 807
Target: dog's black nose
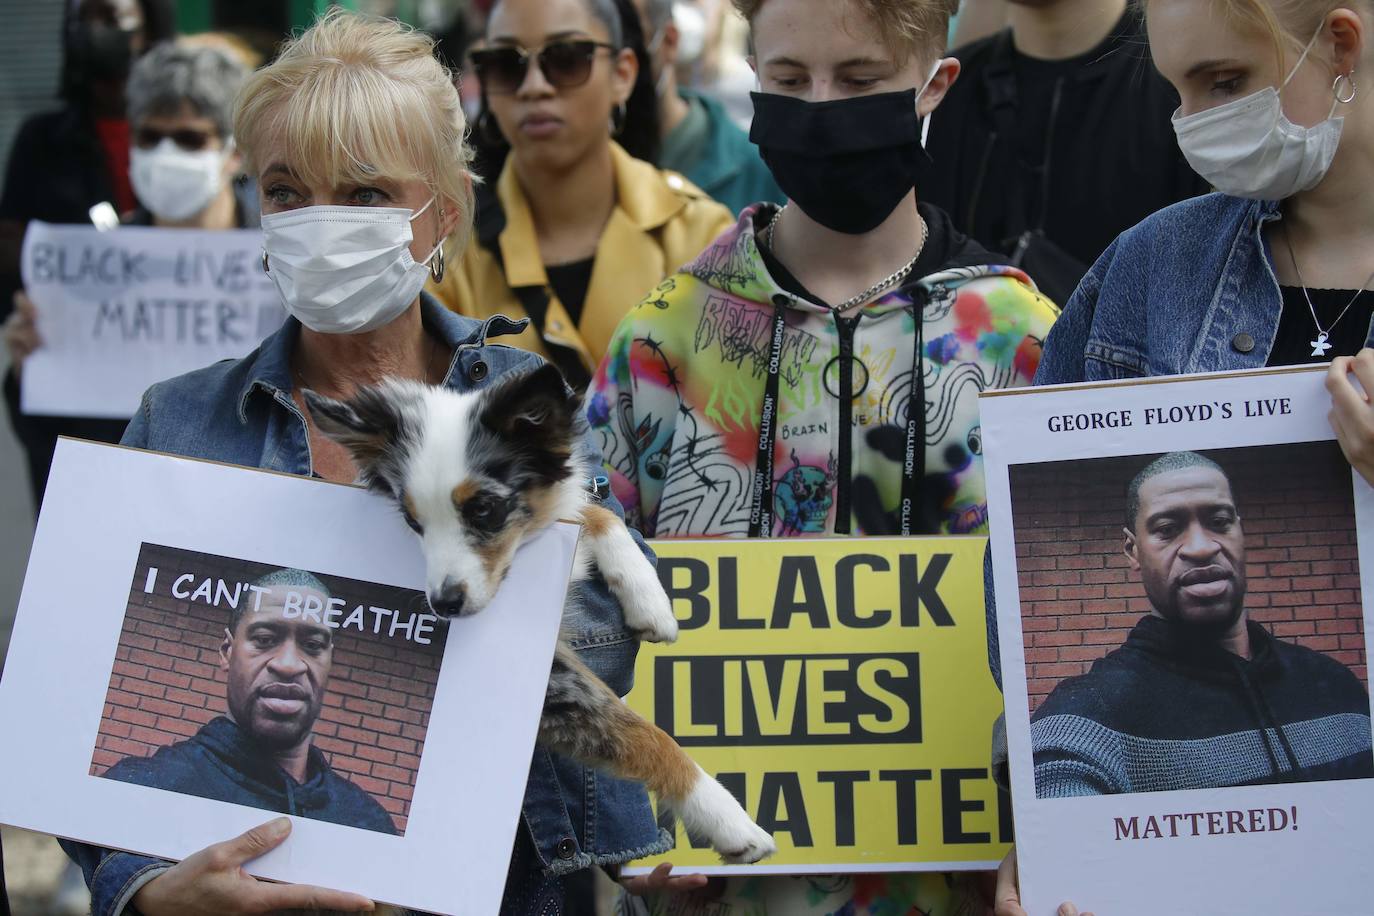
450, 599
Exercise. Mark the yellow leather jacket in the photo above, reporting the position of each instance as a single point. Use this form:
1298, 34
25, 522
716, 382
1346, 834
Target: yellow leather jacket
660, 222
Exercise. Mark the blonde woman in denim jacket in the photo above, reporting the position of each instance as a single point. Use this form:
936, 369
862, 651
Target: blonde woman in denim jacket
1274, 269
390, 138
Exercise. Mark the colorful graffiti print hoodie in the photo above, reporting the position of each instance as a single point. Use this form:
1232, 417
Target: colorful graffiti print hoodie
678, 400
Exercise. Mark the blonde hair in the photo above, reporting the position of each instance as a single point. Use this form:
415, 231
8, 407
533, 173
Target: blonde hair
908, 27
355, 98
1288, 24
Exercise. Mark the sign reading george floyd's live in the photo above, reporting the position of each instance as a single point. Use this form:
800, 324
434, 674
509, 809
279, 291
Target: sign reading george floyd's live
1183, 575
121, 309
841, 689
238, 645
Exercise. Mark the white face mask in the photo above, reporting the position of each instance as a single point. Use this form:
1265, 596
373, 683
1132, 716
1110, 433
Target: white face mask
1249, 148
344, 270
175, 184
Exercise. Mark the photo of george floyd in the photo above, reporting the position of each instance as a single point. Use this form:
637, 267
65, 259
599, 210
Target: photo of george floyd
1192, 620
271, 687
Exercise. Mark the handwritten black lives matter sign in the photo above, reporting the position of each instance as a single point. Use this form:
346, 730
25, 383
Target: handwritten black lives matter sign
122, 309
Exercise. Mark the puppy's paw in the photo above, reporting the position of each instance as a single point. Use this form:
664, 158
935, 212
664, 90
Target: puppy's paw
755, 844
710, 812
650, 616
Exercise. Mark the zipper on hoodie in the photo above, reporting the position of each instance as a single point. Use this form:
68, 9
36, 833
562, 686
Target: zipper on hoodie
846, 327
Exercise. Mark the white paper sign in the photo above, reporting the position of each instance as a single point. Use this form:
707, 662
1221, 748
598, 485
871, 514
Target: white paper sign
1183, 574
168, 602
120, 310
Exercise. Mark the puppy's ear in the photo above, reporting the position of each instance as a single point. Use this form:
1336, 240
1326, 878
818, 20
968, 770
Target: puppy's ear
364, 425
534, 411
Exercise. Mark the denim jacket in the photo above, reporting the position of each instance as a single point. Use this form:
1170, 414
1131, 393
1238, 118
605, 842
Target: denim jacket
1189, 289
241, 412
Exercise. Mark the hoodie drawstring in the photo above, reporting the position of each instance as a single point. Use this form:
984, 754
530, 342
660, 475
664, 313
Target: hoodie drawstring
1259, 707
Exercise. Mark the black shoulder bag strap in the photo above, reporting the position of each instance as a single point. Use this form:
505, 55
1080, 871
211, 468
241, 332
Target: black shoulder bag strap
1000, 84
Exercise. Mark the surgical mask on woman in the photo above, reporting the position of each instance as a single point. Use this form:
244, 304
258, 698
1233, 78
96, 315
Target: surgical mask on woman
1249, 148
846, 163
173, 183
344, 270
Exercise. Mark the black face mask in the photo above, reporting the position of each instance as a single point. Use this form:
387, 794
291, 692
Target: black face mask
99, 52
846, 163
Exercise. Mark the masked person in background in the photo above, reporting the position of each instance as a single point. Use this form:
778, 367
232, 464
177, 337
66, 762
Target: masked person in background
1275, 269
816, 370
699, 139
67, 161
575, 228
182, 166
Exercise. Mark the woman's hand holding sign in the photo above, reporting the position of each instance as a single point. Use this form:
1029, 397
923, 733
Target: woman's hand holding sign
213, 883
21, 331
1351, 415
1007, 900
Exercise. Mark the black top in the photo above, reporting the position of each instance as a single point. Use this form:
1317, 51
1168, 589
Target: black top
1103, 121
56, 173
570, 282
1293, 340
943, 245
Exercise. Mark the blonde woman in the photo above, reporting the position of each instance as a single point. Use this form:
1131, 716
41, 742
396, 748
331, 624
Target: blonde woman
1275, 268
355, 136
576, 230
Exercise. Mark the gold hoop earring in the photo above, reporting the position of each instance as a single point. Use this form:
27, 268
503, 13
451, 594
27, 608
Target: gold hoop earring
436, 264
618, 119
1350, 84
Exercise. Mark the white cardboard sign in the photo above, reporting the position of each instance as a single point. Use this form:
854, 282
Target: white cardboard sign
1152, 772
140, 562
122, 309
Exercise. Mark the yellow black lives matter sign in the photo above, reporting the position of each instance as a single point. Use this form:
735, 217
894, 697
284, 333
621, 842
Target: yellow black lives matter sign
840, 688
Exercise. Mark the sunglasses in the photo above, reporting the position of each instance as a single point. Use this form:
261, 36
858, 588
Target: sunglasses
566, 64
188, 139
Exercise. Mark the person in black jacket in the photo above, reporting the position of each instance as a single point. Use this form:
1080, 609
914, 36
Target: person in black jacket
261, 754
180, 99
67, 161
1198, 696
1057, 137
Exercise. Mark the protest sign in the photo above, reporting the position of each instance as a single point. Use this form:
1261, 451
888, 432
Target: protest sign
1181, 592
122, 309
220, 626
841, 689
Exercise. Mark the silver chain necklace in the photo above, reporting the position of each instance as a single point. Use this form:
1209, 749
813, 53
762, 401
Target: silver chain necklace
1320, 346
891, 280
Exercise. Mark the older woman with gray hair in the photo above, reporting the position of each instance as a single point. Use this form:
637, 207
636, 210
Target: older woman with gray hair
182, 162
182, 165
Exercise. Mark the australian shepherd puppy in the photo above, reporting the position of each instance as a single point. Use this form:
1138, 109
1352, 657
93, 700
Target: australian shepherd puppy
475, 474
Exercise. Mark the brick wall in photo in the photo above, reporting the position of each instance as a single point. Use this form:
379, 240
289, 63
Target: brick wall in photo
1079, 597
167, 681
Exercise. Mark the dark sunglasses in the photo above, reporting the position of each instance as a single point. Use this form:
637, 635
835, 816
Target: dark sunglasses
188, 139
566, 64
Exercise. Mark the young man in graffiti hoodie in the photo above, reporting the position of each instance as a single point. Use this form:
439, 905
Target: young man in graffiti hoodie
816, 370
766, 388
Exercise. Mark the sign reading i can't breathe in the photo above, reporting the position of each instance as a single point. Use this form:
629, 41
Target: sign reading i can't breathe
840, 688
123, 309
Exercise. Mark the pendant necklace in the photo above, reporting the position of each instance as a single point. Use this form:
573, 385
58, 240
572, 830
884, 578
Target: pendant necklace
1320, 345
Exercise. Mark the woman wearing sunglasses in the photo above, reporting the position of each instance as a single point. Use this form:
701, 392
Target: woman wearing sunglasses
576, 229
181, 166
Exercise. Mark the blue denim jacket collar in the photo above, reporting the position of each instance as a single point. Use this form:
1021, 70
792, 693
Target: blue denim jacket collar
269, 371
1190, 289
